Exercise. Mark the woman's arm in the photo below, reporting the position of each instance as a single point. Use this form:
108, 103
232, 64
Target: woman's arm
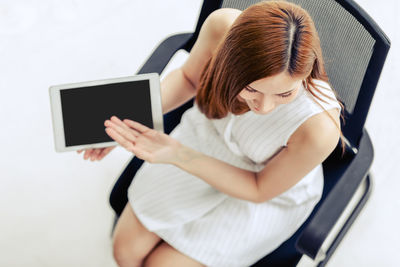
233, 181
307, 148
156, 147
176, 89
181, 84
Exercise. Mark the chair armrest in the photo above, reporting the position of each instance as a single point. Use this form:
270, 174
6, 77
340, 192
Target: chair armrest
317, 230
164, 52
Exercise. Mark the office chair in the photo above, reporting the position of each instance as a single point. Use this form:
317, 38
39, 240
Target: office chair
354, 49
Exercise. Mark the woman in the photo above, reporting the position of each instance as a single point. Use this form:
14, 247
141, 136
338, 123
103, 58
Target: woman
242, 171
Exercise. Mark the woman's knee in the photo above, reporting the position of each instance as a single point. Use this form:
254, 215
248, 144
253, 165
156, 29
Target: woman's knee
126, 254
165, 255
132, 242
131, 252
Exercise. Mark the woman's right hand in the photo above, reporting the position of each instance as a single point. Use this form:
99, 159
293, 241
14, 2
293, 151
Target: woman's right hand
96, 153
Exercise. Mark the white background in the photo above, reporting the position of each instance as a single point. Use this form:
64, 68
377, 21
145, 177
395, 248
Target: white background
54, 206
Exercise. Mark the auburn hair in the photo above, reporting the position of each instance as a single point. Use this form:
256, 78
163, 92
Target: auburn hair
266, 39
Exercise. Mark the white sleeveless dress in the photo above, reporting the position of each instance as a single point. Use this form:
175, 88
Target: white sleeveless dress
210, 226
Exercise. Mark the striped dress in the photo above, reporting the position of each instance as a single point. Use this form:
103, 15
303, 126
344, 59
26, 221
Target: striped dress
210, 226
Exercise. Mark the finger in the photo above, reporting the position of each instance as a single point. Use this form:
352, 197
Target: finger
120, 123
92, 154
95, 153
99, 152
137, 126
104, 152
129, 133
119, 138
116, 120
108, 149
87, 154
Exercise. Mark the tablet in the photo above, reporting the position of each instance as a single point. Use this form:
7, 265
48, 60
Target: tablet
79, 110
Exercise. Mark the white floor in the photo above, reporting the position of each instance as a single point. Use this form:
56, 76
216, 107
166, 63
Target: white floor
54, 206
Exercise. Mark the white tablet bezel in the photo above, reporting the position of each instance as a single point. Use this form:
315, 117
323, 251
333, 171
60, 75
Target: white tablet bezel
57, 118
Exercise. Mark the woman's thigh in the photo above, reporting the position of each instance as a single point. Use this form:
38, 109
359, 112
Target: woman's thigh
166, 256
131, 237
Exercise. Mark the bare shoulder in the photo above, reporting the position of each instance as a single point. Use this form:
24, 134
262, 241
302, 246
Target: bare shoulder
215, 27
319, 133
219, 21
211, 34
307, 148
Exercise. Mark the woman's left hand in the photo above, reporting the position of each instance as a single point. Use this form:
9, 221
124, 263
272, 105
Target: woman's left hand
147, 144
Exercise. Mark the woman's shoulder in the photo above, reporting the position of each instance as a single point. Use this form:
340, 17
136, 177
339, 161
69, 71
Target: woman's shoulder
319, 133
220, 20
322, 85
216, 26
321, 96
212, 33
322, 125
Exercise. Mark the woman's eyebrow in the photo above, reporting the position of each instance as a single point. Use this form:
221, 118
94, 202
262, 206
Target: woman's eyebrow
286, 92
276, 94
251, 88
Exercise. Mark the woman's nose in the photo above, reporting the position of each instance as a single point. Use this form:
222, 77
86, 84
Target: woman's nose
267, 104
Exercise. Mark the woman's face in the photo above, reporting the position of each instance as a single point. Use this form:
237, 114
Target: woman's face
264, 95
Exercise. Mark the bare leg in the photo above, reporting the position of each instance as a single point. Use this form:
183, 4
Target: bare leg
166, 256
132, 242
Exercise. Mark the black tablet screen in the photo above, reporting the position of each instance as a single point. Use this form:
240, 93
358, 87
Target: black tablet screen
85, 109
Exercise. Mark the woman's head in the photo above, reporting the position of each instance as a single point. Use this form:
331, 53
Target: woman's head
271, 45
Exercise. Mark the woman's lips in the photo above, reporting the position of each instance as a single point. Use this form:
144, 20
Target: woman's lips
255, 107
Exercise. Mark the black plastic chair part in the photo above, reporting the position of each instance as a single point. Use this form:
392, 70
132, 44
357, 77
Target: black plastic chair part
354, 49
